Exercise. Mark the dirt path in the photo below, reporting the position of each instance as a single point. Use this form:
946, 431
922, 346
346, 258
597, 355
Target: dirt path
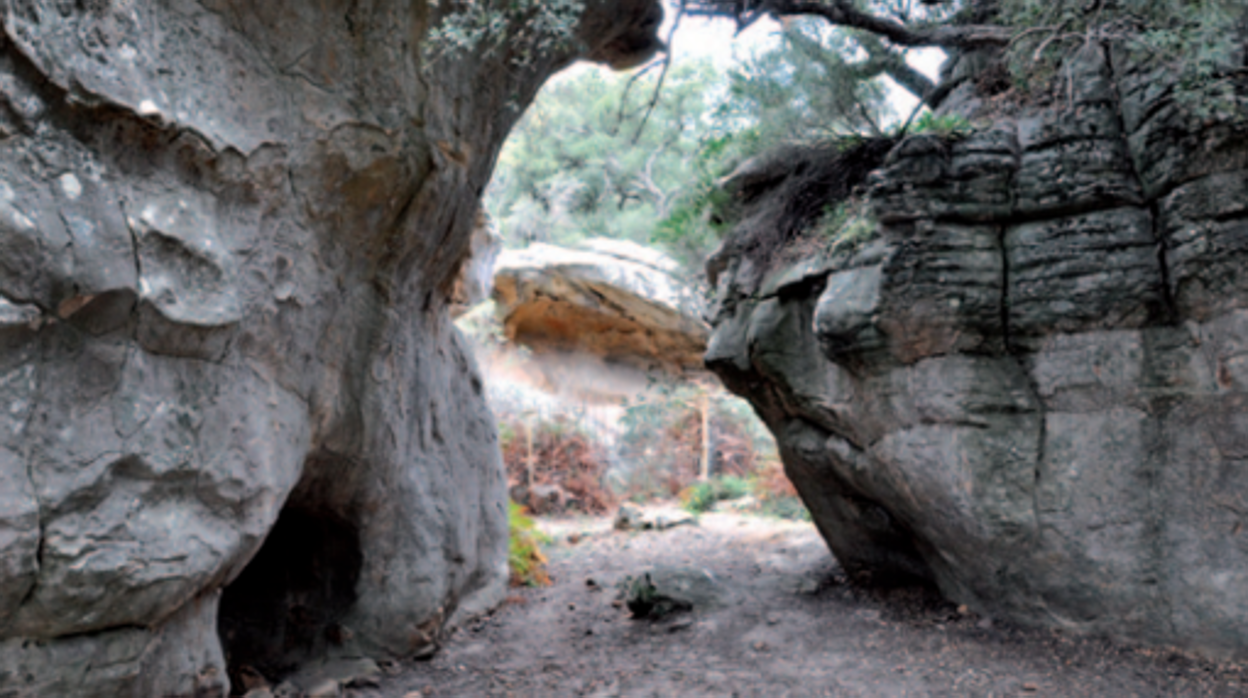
791, 627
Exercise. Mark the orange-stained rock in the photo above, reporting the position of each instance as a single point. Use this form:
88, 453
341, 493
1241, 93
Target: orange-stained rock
612, 299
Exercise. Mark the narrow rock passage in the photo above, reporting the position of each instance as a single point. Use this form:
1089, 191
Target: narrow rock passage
792, 625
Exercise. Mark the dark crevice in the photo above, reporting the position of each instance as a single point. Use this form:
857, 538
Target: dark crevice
28, 427
1228, 216
1020, 356
39, 553
1072, 139
1152, 473
1048, 213
134, 241
288, 605
1064, 254
16, 300
1007, 339
1170, 310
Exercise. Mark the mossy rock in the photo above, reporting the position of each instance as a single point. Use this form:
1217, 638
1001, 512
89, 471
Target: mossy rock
664, 591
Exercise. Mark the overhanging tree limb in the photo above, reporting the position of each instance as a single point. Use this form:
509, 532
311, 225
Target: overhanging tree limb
882, 59
843, 13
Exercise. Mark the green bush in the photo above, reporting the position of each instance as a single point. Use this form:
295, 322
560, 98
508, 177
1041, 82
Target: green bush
775, 495
790, 508
524, 554
702, 496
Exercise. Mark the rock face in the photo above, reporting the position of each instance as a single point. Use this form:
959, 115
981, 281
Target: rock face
1032, 386
237, 421
611, 299
475, 280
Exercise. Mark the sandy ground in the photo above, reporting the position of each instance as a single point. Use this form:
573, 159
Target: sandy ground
791, 626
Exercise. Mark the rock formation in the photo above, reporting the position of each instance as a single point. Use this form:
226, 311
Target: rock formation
233, 399
610, 299
1031, 388
475, 281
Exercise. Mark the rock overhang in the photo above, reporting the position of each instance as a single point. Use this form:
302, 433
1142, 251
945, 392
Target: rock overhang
613, 300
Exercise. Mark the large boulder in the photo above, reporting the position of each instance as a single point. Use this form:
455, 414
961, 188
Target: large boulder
238, 425
1031, 387
610, 299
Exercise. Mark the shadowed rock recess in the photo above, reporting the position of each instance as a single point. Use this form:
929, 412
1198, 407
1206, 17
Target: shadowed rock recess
228, 230
1031, 387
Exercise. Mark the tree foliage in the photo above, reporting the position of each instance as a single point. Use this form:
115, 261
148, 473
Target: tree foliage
578, 164
583, 162
523, 29
1195, 38
814, 84
596, 157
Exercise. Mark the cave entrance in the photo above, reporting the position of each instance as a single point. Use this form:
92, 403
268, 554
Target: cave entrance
287, 605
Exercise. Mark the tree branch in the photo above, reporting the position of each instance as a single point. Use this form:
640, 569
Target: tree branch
667, 64
843, 13
893, 64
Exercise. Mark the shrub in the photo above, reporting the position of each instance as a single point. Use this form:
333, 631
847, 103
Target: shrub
776, 495
524, 556
702, 496
662, 441
564, 455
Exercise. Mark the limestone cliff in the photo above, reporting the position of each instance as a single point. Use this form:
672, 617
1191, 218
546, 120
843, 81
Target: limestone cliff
1030, 387
228, 230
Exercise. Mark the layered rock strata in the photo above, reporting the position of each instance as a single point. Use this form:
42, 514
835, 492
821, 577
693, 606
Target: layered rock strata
612, 300
1032, 387
228, 231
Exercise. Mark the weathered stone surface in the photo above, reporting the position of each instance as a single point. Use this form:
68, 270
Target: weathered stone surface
1097, 269
663, 591
475, 280
608, 298
1204, 226
1032, 392
181, 658
236, 424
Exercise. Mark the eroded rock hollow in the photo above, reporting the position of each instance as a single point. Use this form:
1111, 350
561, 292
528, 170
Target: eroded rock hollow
1030, 388
228, 231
